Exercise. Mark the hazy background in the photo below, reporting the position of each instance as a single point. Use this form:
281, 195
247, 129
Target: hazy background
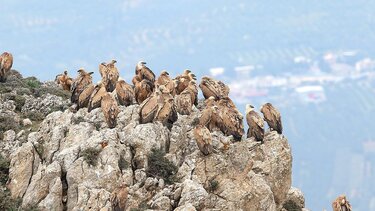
313, 60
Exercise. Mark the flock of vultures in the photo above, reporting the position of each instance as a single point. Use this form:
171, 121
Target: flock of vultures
161, 99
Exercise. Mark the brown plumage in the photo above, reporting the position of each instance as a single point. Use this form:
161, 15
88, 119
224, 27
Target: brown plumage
144, 72
341, 204
110, 75
96, 97
272, 117
84, 97
64, 80
203, 139
211, 87
165, 80
110, 110
125, 93
165, 111
193, 90
149, 108
136, 79
143, 90
230, 120
182, 81
79, 84
184, 103
202, 134
6, 62
118, 199
255, 123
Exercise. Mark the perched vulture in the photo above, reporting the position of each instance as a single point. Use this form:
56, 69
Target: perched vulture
6, 62
203, 139
184, 103
255, 123
202, 134
341, 204
272, 117
143, 90
79, 84
125, 93
182, 81
144, 72
193, 90
230, 120
96, 97
84, 97
136, 79
211, 87
110, 110
165, 80
165, 112
64, 80
149, 108
109, 74
119, 198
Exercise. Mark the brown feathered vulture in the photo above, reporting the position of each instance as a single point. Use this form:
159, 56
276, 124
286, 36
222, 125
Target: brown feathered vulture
6, 63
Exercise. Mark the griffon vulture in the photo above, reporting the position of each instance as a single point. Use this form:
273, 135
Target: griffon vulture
79, 84
125, 93
143, 90
184, 103
149, 108
96, 97
341, 204
182, 81
144, 72
230, 120
64, 80
255, 123
6, 62
119, 198
272, 117
165, 80
109, 74
211, 87
165, 112
84, 97
202, 134
110, 110
193, 89
203, 139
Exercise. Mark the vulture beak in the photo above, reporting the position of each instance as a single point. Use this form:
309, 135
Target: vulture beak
90, 73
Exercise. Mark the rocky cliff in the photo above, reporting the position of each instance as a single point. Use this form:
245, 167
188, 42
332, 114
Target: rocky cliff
67, 160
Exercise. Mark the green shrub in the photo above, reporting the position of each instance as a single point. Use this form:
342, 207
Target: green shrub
32, 82
90, 155
53, 91
4, 170
8, 123
160, 167
19, 102
122, 163
291, 206
7, 202
213, 185
34, 115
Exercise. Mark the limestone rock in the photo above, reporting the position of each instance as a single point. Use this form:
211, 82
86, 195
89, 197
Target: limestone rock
193, 193
74, 162
27, 122
44, 104
24, 161
45, 188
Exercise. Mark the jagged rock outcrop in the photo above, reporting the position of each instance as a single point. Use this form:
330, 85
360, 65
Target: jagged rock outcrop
74, 162
44, 104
